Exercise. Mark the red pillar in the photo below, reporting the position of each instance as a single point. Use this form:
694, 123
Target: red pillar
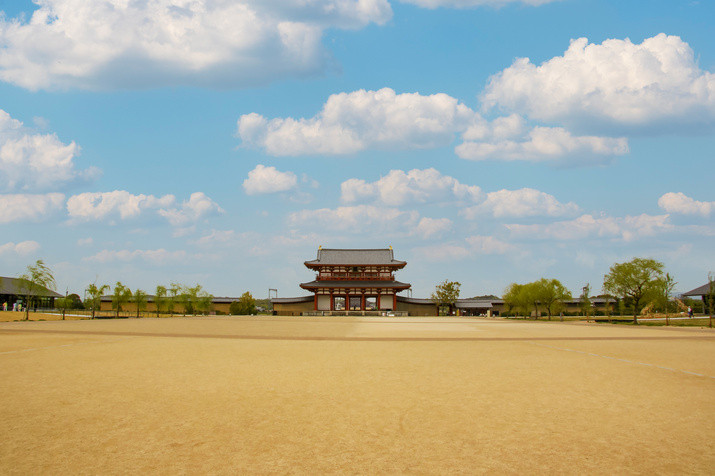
315, 302
362, 303
394, 301
331, 302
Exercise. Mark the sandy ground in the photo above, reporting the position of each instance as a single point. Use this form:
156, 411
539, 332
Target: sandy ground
341, 395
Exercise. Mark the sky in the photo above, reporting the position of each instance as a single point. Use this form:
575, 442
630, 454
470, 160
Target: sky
487, 141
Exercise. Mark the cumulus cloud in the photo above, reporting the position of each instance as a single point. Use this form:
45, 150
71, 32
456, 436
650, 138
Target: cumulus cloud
523, 202
616, 82
30, 161
472, 3
365, 218
432, 227
264, 179
101, 205
547, 144
416, 186
124, 205
627, 228
470, 246
21, 207
680, 203
158, 256
361, 120
195, 208
23, 248
352, 122
120, 44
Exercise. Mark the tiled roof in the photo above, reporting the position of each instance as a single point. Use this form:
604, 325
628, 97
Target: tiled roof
13, 286
354, 284
290, 300
355, 257
703, 290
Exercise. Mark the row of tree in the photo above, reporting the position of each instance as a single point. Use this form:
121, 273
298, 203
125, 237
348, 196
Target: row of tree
638, 283
192, 299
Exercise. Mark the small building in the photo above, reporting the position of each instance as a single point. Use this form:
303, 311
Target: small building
704, 293
12, 291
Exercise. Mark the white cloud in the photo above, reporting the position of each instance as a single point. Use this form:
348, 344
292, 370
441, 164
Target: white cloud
36, 161
432, 227
115, 43
616, 82
470, 246
195, 208
360, 218
472, 3
627, 228
85, 241
216, 237
680, 203
157, 256
23, 248
100, 205
264, 179
124, 205
488, 245
20, 207
351, 122
416, 186
544, 144
520, 203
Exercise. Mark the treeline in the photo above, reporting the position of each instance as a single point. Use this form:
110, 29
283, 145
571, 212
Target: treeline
640, 285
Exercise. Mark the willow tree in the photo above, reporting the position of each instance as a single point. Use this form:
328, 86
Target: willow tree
551, 294
95, 296
160, 299
121, 296
139, 299
36, 278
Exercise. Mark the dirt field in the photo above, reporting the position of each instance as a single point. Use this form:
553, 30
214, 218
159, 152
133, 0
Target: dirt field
329, 395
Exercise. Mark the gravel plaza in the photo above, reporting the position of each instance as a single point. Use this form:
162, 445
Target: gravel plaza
354, 395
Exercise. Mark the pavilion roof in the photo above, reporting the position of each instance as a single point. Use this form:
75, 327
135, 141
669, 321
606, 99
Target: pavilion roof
703, 290
357, 257
14, 286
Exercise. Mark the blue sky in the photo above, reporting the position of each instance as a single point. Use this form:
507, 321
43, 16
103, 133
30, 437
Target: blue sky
488, 142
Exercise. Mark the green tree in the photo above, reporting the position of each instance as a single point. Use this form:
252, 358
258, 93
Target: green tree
76, 302
63, 304
516, 299
711, 297
36, 278
585, 303
551, 294
174, 291
245, 305
160, 299
665, 286
95, 296
201, 300
634, 279
139, 299
446, 293
121, 296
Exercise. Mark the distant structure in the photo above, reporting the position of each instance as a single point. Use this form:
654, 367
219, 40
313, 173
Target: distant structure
12, 291
362, 282
704, 293
355, 280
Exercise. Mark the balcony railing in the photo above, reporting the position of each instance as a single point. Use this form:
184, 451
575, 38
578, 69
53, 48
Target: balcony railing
355, 277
